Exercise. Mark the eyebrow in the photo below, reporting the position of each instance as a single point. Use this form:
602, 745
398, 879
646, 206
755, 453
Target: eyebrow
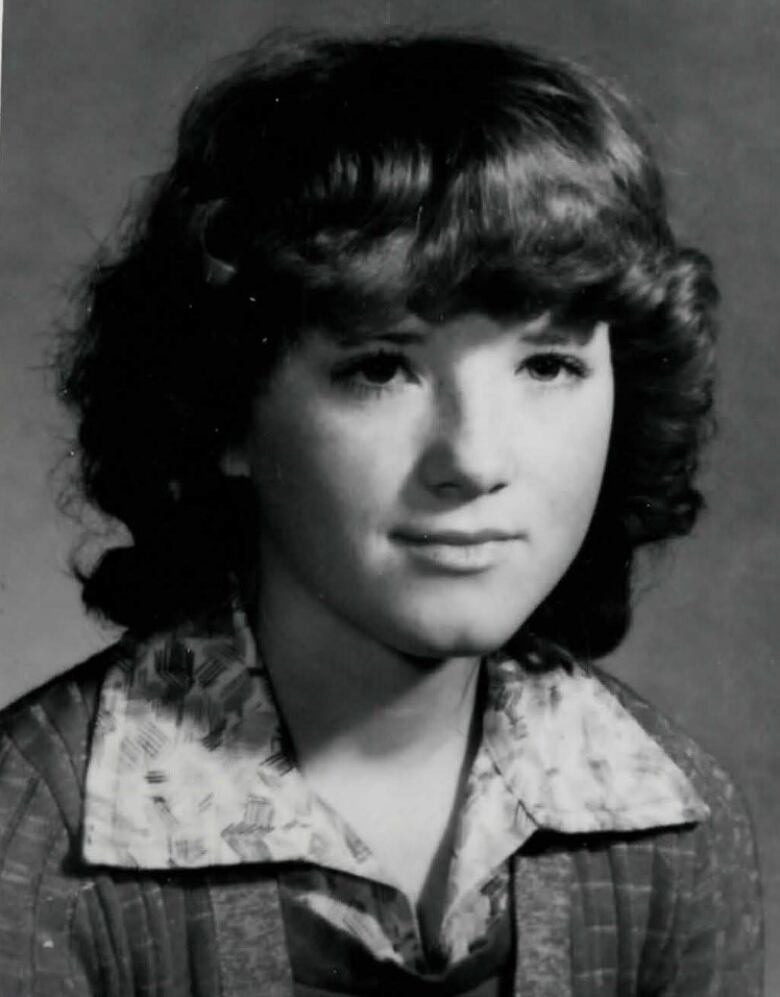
552, 335
559, 335
356, 338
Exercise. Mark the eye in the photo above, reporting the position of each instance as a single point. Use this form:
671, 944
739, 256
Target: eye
372, 372
380, 368
551, 367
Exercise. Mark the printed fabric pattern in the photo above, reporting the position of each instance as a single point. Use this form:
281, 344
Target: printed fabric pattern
190, 767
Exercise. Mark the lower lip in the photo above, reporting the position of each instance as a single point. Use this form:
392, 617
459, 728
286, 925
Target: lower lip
459, 558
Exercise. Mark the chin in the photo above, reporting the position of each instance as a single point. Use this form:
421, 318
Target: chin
454, 639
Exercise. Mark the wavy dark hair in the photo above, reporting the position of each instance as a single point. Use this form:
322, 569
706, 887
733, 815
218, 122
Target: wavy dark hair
518, 184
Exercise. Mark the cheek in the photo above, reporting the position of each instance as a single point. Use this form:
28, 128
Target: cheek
310, 470
572, 468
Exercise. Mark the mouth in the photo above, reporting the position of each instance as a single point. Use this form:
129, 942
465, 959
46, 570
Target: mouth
456, 550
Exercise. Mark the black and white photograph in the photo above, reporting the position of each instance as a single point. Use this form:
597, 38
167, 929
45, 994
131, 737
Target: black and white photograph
389, 499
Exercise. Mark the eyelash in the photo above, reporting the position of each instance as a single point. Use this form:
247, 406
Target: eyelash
574, 367
351, 374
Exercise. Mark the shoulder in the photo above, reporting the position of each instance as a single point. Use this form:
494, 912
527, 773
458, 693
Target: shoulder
727, 837
44, 745
719, 908
48, 906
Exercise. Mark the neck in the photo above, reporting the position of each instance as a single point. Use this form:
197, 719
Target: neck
386, 740
344, 695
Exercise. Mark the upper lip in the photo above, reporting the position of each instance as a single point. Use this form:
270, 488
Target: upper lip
457, 538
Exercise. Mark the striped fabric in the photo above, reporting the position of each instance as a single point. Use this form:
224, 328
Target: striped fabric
665, 912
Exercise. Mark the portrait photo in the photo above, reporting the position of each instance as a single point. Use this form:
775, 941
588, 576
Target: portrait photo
389, 544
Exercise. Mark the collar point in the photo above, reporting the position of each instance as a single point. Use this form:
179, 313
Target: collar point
653, 816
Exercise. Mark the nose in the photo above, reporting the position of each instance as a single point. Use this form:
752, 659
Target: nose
468, 452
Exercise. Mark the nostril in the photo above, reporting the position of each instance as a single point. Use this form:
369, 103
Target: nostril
451, 472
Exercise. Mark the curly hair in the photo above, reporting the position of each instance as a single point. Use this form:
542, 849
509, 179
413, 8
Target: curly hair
517, 183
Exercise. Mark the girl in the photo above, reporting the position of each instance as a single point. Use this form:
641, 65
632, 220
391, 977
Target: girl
398, 367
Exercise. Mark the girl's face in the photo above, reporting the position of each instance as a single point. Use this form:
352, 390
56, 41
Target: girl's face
429, 486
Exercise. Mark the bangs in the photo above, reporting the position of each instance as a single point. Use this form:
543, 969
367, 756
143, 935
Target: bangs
507, 238
414, 181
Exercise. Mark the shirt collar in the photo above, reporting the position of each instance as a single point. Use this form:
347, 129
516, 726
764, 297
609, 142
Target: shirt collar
576, 759
188, 765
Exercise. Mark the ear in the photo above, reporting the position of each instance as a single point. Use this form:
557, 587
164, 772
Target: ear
234, 462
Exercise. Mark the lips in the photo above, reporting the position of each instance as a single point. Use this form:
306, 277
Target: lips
458, 551
455, 538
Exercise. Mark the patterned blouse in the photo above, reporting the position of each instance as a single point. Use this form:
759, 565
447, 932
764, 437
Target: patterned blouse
189, 768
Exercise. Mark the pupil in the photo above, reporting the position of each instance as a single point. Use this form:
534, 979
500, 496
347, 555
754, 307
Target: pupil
547, 366
380, 369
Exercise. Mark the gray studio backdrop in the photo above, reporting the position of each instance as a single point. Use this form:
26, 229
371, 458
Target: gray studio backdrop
90, 94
